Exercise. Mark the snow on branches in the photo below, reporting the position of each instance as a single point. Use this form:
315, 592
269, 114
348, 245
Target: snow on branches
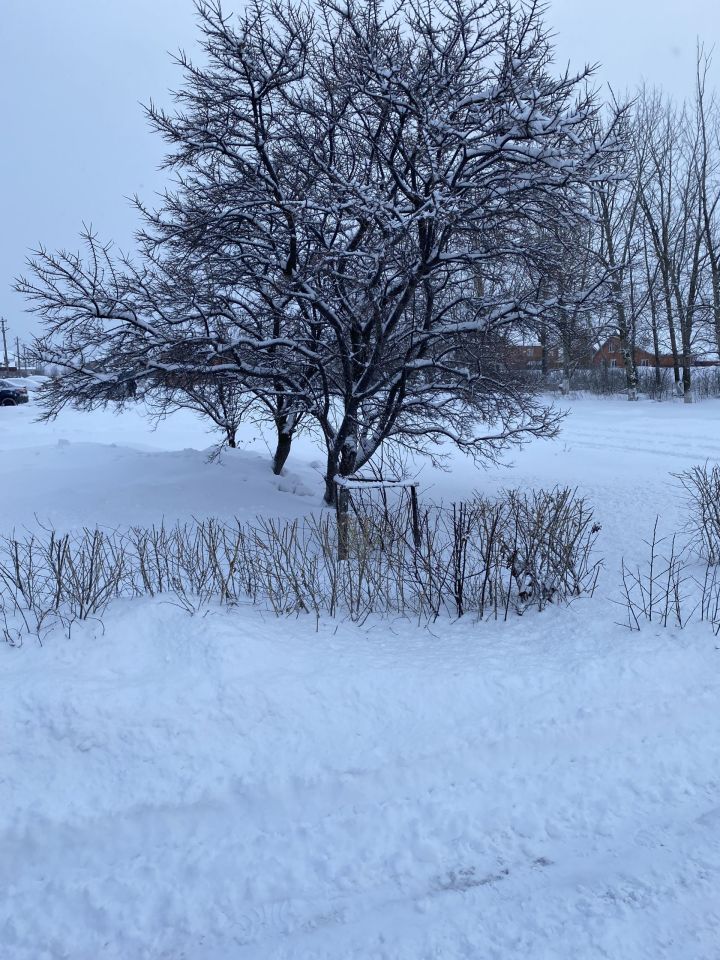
355, 232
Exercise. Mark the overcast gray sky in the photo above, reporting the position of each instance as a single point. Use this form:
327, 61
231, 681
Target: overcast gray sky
74, 143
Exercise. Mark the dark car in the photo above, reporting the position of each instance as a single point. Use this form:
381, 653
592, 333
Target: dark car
10, 395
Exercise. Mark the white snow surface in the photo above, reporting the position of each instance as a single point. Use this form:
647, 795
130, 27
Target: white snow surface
231, 785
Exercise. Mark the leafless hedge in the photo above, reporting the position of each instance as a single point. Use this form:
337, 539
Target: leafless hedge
671, 589
702, 487
484, 557
679, 582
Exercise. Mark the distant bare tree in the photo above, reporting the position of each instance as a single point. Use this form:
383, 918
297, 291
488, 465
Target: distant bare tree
672, 208
580, 282
706, 159
223, 402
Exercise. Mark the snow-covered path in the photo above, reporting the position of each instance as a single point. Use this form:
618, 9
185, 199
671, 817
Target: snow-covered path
231, 786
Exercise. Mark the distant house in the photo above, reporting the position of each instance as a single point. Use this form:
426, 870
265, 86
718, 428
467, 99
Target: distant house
527, 357
530, 357
610, 355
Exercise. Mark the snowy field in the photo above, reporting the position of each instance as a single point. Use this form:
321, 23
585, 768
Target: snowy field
232, 786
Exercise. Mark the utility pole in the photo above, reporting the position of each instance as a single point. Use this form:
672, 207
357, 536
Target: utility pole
3, 327
17, 353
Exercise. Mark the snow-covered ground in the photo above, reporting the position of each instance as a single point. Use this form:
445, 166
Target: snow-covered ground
231, 786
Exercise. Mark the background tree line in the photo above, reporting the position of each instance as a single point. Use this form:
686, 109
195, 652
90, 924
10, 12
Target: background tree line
656, 231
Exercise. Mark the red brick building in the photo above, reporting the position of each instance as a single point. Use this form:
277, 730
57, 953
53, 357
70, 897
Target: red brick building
610, 355
530, 357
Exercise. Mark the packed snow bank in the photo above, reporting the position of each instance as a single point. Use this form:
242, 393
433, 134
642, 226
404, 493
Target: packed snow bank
233, 786
230, 786
108, 470
117, 470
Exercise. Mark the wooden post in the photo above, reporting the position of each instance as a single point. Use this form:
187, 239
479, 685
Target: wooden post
415, 516
343, 486
342, 512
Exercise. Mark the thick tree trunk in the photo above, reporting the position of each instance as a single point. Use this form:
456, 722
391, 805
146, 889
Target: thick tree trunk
631, 379
716, 306
544, 366
714, 259
686, 342
346, 468
687, 380
282, 451
656, 348
673, 339
566, 363
626, 347
342, 460
330, 474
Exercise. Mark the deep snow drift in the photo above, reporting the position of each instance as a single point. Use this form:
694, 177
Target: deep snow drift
233, 786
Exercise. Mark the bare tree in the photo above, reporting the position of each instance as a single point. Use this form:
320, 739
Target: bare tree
223, 402
118, 332
672, 207
653, 295
359, 200
706, 158
617, 213
413, 155
580, 282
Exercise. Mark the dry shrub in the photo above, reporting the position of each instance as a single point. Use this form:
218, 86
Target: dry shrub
670, 588
483, 557
702, 487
